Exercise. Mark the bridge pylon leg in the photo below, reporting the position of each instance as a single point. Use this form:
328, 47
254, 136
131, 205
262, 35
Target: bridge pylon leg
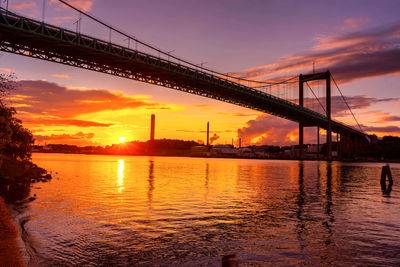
328, 115
301, 128
328, 126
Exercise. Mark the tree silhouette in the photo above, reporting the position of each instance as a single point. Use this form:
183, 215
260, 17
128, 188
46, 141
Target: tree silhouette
15, 140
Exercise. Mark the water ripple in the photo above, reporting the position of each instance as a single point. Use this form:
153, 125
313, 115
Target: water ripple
160, 211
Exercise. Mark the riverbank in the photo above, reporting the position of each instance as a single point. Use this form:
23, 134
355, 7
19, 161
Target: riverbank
16, 178
9, 252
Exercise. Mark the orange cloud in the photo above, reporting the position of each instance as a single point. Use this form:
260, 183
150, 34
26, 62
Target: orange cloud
269, 130
61, 20
40, 121
7, 69
63, 76
44, 106
26, 5
84, 5
45, 98
79, 139
354, 23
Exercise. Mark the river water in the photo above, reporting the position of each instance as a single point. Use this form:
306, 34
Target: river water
160, 211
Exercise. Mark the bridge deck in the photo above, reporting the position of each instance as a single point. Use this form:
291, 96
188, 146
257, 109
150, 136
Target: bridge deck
28, 37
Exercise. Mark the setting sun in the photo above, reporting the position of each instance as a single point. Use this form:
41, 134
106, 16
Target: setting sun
122, 139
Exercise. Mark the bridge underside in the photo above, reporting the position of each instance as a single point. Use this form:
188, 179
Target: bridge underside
23, 36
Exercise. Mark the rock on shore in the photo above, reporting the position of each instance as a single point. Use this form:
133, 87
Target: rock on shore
12, 171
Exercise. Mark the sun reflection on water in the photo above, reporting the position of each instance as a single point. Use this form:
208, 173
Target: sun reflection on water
120, 181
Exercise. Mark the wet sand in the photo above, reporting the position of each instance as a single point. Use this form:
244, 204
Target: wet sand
9, 252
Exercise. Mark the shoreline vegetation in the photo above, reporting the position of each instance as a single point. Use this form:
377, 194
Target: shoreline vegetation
16, 141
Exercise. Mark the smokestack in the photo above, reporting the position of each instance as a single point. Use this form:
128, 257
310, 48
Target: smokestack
240, 142
208, 133
153, 122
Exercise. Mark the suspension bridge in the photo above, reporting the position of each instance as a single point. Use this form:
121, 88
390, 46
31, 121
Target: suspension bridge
33, 38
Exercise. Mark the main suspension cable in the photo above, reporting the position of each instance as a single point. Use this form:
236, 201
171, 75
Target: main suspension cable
316, 97
345, 101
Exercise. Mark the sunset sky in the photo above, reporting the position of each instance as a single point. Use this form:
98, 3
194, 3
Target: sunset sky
358, 41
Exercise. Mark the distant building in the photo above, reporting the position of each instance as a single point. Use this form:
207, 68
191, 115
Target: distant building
199, 151
224, 150
314, 149
47, 148
243, 150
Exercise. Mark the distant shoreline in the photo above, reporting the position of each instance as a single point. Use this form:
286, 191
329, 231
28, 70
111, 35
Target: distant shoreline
220, 156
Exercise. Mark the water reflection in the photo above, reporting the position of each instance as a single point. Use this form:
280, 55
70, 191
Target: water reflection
328, 204
120, 181
281, 213
206, 181
386, 190
300, 203
150, 182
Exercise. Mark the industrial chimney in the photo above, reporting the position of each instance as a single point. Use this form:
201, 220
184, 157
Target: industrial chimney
153, 122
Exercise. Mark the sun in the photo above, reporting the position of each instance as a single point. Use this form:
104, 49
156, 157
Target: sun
122, 139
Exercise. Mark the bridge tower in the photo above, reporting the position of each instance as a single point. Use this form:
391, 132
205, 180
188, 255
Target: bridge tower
312, 77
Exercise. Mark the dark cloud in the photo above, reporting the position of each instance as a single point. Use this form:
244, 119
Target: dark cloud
389, 118
339, 107
382, 129
369, 53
